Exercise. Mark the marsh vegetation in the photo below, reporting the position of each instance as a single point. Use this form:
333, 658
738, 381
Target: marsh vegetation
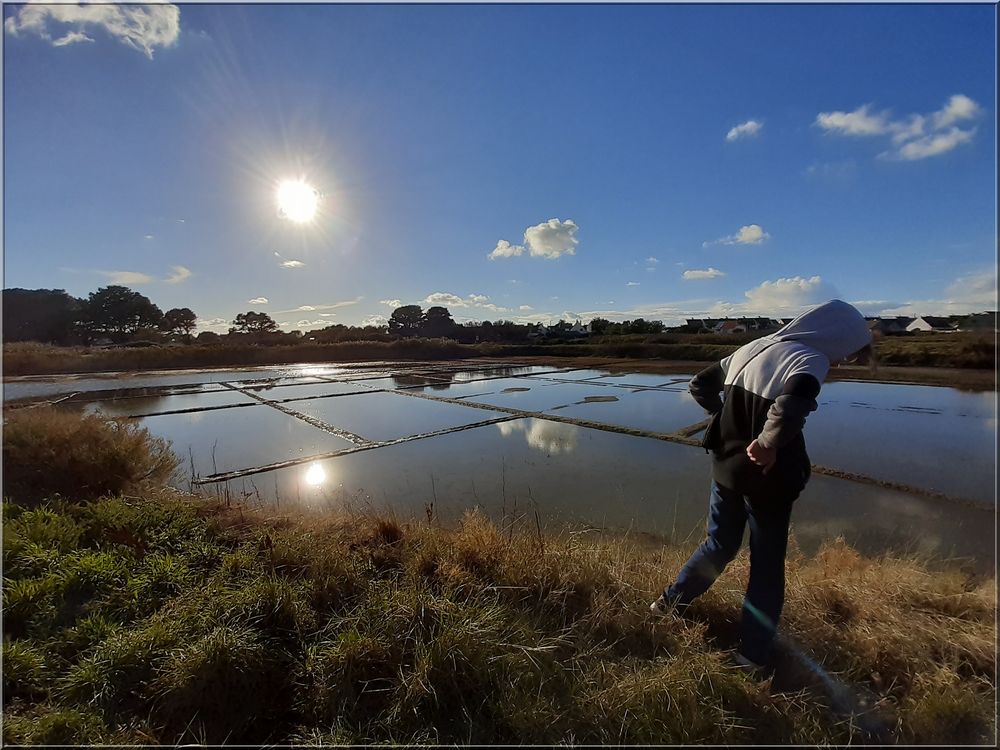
137, 615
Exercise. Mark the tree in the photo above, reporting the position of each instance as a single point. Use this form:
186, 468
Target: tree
253, 322
47, 315
600, 326
179, 320
208, 337
119, 312
405, 320
437, 322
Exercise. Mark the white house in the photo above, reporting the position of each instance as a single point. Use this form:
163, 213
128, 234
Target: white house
932, 323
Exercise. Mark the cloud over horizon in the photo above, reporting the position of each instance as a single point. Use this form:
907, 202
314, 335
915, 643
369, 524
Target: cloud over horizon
144, 27
127, 277
446, 299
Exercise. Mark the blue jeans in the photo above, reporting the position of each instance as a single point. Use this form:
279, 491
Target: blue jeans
728, 514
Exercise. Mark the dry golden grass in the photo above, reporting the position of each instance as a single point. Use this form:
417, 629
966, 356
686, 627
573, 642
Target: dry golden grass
159, 619
47, 452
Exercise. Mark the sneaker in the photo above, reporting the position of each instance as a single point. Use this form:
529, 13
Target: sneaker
663, 606
750, 666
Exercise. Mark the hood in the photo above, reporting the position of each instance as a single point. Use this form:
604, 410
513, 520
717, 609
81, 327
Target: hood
835, 329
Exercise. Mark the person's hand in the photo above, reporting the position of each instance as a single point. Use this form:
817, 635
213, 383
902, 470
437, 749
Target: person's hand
762, 456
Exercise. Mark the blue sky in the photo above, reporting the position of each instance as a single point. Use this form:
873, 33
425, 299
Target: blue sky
517, 162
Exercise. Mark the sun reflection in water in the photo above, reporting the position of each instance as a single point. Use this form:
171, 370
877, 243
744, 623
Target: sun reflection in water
315, 475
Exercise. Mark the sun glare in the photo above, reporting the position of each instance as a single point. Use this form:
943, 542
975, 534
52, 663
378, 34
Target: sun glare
297, 201
315, 475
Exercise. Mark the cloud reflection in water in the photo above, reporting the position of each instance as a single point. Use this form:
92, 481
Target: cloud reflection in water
544, 436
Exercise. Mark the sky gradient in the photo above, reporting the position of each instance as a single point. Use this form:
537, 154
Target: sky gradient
528, 163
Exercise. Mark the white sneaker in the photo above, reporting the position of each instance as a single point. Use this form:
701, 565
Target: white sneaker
660, 608
752, 667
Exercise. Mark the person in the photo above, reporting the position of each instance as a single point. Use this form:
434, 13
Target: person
760, 464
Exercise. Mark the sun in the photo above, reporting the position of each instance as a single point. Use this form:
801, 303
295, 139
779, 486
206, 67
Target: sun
297, 201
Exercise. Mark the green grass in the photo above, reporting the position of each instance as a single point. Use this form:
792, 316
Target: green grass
156, 618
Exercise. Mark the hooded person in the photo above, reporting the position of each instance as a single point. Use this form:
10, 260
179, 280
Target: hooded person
760, 464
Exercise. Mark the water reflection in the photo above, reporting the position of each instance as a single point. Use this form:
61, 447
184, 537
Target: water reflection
438, 381
544, 436
315, 475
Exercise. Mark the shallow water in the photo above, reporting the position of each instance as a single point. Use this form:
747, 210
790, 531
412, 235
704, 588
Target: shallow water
930, 438
572, 474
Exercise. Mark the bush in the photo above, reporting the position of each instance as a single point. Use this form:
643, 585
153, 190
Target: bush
47, 452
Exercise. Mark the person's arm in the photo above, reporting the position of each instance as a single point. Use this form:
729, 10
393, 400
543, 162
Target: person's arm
787, 415
706, 386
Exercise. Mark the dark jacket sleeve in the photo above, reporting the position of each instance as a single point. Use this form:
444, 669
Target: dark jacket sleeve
787, 415
706, 386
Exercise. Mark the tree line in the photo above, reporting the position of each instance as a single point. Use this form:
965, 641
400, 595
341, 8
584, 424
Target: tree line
120, 315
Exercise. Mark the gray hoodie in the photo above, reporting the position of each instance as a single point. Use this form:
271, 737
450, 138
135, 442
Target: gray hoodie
770, 386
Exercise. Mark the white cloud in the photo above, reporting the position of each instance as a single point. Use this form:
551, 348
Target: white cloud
708, 273
631, 283
909, 136
288, 263
931, 145
391, 302
72, 37
525, 308
858, 122
312, 323
446, 299
127, 277
747, 129
180, 274
959, 107
148, 237
375, 320
144, 27
313, 308
751, 234
505, 250
258, 301
550, 239
969, 293
328, 315
652, 261
788, 295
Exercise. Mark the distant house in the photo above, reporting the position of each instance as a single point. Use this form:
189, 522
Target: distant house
931, 323
560, 330
984, 321
889, 326
731, 326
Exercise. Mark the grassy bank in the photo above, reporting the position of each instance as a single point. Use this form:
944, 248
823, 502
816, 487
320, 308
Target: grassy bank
960, 350
148, 617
